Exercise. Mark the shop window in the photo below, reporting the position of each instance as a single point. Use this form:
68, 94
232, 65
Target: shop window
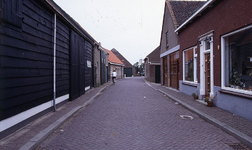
237, 60
190, 61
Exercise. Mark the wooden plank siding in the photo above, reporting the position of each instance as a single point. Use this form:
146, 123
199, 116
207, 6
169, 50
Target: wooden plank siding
62, 59
88, 57
26, 61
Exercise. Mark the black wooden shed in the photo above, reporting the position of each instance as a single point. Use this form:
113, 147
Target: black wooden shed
45, 57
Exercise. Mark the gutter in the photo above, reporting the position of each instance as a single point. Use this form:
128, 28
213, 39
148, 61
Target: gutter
197, 13
54, 62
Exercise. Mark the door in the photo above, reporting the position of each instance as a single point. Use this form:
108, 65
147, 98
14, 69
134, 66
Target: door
157, 73
206, 66
165, 71
74, 70
174, 70
77, 63
207, 75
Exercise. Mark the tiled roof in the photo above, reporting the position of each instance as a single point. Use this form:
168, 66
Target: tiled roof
182, 10
154, 56
112, 58
125, 61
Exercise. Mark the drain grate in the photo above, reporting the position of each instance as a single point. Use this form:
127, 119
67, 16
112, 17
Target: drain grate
237, 146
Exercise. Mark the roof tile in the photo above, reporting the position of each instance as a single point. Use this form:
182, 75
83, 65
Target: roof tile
112, 58
182, 10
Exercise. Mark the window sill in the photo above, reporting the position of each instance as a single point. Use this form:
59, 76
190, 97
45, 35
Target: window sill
190, 83
225, 91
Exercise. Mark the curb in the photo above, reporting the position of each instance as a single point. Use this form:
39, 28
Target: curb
42, 135
237, 134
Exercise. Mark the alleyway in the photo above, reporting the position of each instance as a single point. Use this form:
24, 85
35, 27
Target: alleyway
132, 116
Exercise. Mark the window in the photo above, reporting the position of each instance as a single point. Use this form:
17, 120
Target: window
207, 43
237, 60
167, 41
190, 65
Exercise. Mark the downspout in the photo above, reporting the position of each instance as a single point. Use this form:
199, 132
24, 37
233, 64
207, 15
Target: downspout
54, 64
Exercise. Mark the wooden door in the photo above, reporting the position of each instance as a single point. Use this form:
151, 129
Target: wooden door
207, 75
74, 70
157, 73
77, 63
165, 71
174, 70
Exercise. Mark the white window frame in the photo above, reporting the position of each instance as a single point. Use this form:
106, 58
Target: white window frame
195, 80
223, 63
203, 51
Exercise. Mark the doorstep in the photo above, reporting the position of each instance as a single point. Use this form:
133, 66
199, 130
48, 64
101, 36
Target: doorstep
201, 101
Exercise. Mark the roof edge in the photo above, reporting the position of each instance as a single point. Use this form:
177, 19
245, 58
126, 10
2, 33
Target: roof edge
204, 7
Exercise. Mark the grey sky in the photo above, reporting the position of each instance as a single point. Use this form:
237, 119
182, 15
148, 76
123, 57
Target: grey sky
133, 27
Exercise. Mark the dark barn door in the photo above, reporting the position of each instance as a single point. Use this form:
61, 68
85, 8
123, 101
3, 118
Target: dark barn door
157, 74
82, 66
74, 75
103, 68
77, 54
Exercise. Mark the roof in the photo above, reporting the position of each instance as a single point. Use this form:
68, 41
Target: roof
113, 59
70, 20
154, 56
195, 14
124, 60
182, 10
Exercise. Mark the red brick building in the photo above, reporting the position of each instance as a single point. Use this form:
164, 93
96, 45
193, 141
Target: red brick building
175, 13
216, 54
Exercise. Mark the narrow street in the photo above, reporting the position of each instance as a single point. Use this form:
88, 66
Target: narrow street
132, 116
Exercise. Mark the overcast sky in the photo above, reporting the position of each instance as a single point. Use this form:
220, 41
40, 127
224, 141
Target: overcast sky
133, 27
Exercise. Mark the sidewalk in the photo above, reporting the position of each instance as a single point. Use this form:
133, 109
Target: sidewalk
230, 123
32, 134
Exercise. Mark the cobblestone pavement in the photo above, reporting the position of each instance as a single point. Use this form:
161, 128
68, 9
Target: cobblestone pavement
132, 116
234, 121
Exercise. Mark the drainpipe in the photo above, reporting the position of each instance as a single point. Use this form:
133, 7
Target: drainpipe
54, 64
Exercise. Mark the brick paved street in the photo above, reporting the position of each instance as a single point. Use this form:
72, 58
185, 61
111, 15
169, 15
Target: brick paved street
132, 116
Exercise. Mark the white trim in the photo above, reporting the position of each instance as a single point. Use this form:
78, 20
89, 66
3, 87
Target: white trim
194, 15
195, 81
223, 63
87, 88
202, 63
245, 28
9, 122
116, 64
154, 63
172, 50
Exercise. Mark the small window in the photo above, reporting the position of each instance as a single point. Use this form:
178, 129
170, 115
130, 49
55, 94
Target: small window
167, 39
10, 11
190, 65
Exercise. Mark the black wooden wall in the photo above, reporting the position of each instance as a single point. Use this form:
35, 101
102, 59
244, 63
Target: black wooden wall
62, 59
77, 65
26, 57
88, 57
26, 60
